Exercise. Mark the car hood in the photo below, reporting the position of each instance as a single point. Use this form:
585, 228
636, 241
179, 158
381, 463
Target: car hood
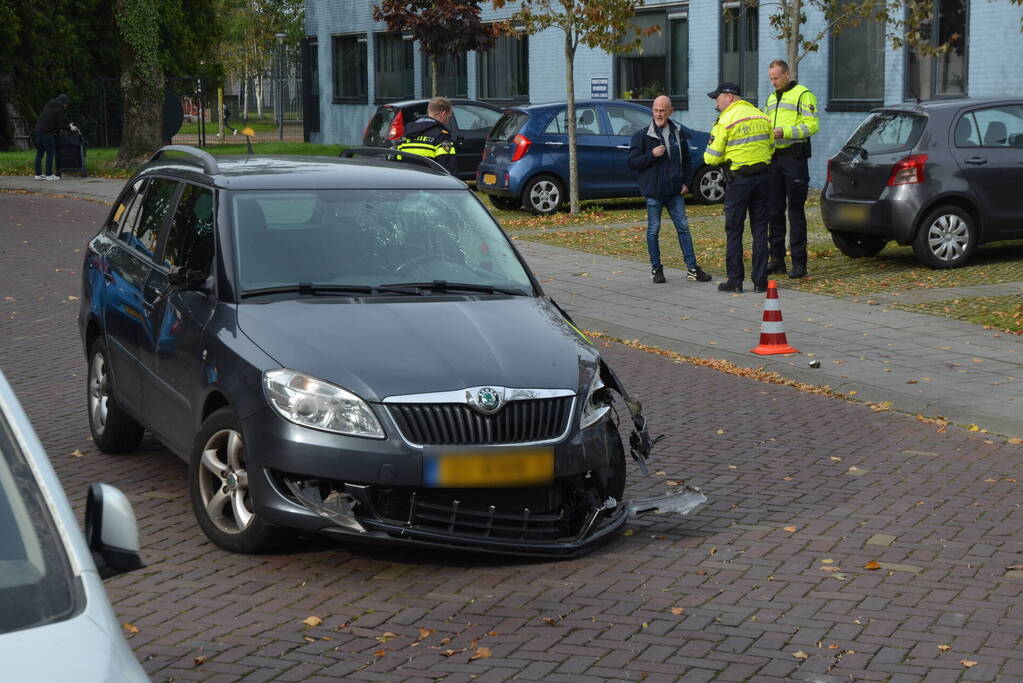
89, 648
381, 347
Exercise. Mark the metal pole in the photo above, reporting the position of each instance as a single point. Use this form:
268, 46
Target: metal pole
280, 85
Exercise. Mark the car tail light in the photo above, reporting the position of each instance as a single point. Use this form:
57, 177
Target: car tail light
908, 171
829, 171
397, 128
522, 144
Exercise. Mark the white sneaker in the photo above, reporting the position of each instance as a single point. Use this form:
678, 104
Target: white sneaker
40, 177
53, 177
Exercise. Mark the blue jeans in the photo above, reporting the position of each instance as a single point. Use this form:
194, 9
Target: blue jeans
677, 210
45, 143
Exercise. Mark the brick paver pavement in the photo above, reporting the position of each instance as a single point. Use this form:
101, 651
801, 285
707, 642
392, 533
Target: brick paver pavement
766, 582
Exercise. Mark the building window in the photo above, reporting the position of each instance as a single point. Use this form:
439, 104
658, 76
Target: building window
943, 75
661, 65
452, 76
393, 68
504, 70
857, 66
351, 80
739, 45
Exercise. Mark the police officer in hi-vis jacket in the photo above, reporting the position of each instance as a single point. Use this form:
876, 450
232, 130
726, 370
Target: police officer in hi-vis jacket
792, 110
741, 142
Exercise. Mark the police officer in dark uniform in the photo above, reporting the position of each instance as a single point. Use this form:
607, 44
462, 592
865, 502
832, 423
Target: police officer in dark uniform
428, 136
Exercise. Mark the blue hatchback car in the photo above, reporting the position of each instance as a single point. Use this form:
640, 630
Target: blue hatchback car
525, 159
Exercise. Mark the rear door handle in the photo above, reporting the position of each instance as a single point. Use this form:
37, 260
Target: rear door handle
977, 161
621, 146
554, 144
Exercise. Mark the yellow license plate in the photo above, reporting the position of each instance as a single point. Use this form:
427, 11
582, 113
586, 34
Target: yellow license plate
853, 213
455, 469
489, 179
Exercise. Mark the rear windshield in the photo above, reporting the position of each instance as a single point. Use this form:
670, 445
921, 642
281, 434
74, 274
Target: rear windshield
889, 131
380, 122
36, 583
508, 126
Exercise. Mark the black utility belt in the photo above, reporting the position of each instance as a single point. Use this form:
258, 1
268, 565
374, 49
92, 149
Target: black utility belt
752, 169
799, 150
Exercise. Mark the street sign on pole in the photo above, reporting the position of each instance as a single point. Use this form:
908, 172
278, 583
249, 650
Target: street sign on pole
599, 88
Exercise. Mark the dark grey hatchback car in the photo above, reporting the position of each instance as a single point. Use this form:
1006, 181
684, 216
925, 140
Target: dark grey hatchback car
349, 346
942, 176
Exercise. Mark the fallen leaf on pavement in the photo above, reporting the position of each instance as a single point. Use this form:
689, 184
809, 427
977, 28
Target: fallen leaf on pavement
827, 562
380, 653
77, 453
448, 653
841, 576
799, 654
790, 529
481, 653
312, 621
830, 569
872, 565
550, 620
677, 610
672, 482
131, 628
1015, 567
387, 636
199, 661
628, 532
944, 648
967, 663
424, 632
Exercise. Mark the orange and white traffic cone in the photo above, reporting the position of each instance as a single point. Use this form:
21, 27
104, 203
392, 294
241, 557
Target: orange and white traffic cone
772, 333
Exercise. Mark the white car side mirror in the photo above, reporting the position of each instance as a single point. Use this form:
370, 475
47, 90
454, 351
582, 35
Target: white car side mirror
111, 531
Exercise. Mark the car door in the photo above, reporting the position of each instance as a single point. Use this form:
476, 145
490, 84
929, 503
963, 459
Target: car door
472, 122
988, 146
177, 318
623, 122
125, 269
592, 147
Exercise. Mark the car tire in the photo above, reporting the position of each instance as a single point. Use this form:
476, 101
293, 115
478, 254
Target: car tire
543, 195
218, 484
616, 482
113, 430
708, 185
858, 246
504, 203
946, 239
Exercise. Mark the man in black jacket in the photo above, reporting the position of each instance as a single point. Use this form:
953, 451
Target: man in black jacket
50, 122
428, 136
659, 155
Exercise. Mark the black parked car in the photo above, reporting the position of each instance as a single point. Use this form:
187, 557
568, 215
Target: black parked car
943, 176
349, 346
470, 122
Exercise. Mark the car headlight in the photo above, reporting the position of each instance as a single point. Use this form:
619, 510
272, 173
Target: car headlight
597, 403
312, 402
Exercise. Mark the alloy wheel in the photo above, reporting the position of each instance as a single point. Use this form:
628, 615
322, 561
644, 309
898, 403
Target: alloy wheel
224, 482
712, 187
544, 196
99, 393
947, 236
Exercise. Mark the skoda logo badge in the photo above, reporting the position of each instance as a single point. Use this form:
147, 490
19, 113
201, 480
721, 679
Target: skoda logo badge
488, 400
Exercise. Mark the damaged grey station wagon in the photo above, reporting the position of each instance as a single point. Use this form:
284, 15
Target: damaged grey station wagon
351, 347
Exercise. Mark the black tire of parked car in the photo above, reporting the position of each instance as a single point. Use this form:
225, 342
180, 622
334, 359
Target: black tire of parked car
113, 430
543, 195
217, 434
504, 203
708, 186
947, 238
858, 246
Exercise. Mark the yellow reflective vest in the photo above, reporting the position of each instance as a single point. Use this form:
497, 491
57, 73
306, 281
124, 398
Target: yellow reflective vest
794, 110
742, 135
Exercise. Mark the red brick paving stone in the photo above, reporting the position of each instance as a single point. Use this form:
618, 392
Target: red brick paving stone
761, 594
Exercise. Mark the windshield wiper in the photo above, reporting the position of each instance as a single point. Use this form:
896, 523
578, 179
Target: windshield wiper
313, 289
445, 286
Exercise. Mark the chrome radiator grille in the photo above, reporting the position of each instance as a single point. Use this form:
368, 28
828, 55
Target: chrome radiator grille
430, 424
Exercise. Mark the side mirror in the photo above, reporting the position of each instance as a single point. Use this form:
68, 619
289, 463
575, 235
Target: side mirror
111, 531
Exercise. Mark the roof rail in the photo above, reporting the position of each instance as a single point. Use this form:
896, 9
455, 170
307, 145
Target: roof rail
392, 154
206, 160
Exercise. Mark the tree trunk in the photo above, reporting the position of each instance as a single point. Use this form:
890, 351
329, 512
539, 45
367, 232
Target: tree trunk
792, 42
573, 156
259, 95
433, 74
143, 113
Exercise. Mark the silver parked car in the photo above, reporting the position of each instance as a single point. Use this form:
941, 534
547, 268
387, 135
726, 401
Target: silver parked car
56, 623
943, 176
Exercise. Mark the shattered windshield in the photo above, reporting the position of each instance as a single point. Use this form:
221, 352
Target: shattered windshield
370, 238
